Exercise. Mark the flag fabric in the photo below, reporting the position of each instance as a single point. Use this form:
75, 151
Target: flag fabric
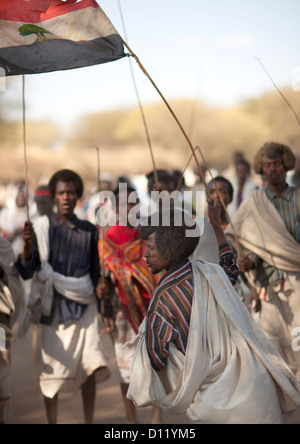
39, 36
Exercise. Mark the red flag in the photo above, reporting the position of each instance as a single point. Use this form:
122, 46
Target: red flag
48, 35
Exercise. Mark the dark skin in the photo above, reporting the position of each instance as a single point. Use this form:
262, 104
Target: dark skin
44, 205
66, 200
219, 189
158, 264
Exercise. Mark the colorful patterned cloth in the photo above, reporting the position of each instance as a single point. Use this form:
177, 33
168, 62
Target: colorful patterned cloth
123, 252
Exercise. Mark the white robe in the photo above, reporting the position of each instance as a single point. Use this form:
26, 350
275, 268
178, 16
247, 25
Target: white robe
70, 353
230, 373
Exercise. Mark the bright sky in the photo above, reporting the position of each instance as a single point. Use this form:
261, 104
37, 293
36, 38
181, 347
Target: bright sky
192, 49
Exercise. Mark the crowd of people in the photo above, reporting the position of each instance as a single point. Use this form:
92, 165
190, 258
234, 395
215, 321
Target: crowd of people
202, 324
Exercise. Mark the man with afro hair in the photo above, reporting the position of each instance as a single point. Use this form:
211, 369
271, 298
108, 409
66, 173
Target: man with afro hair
268, 227
61, 254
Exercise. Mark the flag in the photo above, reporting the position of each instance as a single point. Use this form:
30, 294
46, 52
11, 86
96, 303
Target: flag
39, 36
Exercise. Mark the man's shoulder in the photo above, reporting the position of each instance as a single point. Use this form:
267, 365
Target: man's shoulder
295, 190
85, 224
171, 283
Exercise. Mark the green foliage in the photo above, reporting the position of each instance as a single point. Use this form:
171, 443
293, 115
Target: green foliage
29, 29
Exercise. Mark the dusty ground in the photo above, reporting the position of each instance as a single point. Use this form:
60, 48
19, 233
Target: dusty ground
28, 403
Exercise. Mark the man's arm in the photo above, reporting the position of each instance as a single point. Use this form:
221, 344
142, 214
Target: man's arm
29, 261
228, 260
159, 334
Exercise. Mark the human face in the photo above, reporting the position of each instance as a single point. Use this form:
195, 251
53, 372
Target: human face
273, 170
217, 189
242, 172
21, 199
44, 205
66, 199
152, 257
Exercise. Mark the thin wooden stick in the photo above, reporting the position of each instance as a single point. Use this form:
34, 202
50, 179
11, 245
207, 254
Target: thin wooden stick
172, 112
238, 246
98, 164
140, 104
182, 173
101, 228
25, 146
282, 95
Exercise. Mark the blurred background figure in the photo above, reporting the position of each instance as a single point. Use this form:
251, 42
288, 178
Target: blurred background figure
230, 171
43, 201
220, 186
242, 184
13, 217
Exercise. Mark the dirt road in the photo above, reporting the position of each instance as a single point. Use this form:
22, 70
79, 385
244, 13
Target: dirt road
28, 403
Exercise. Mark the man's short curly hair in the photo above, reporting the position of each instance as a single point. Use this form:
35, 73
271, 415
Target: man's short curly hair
66, 176
171, 239
272, 150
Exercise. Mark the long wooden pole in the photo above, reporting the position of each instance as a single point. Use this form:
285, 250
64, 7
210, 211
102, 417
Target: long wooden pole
101, 228
140, 103
25, 145
238, 246
172, 112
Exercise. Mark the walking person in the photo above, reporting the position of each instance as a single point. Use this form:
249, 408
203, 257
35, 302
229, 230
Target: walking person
199, 350
62, 252
268, 228
133, 284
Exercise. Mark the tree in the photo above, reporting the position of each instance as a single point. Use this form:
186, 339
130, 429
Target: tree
29, 29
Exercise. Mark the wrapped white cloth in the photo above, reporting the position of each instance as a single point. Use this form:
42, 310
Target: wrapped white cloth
260, 229
70, 353
230, 374
12, 295
40, 300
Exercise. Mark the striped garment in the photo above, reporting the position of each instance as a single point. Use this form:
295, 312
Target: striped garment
168, 317
73, 252
288, 207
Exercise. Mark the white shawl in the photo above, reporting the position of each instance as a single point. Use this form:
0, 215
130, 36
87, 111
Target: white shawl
230, 374
80, 290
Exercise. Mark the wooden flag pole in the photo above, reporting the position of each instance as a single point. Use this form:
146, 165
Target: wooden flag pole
35, 330
25, 146
101, 228
172, 112
140, 103
102, 266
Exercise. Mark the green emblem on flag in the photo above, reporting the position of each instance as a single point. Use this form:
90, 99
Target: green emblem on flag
29, 29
